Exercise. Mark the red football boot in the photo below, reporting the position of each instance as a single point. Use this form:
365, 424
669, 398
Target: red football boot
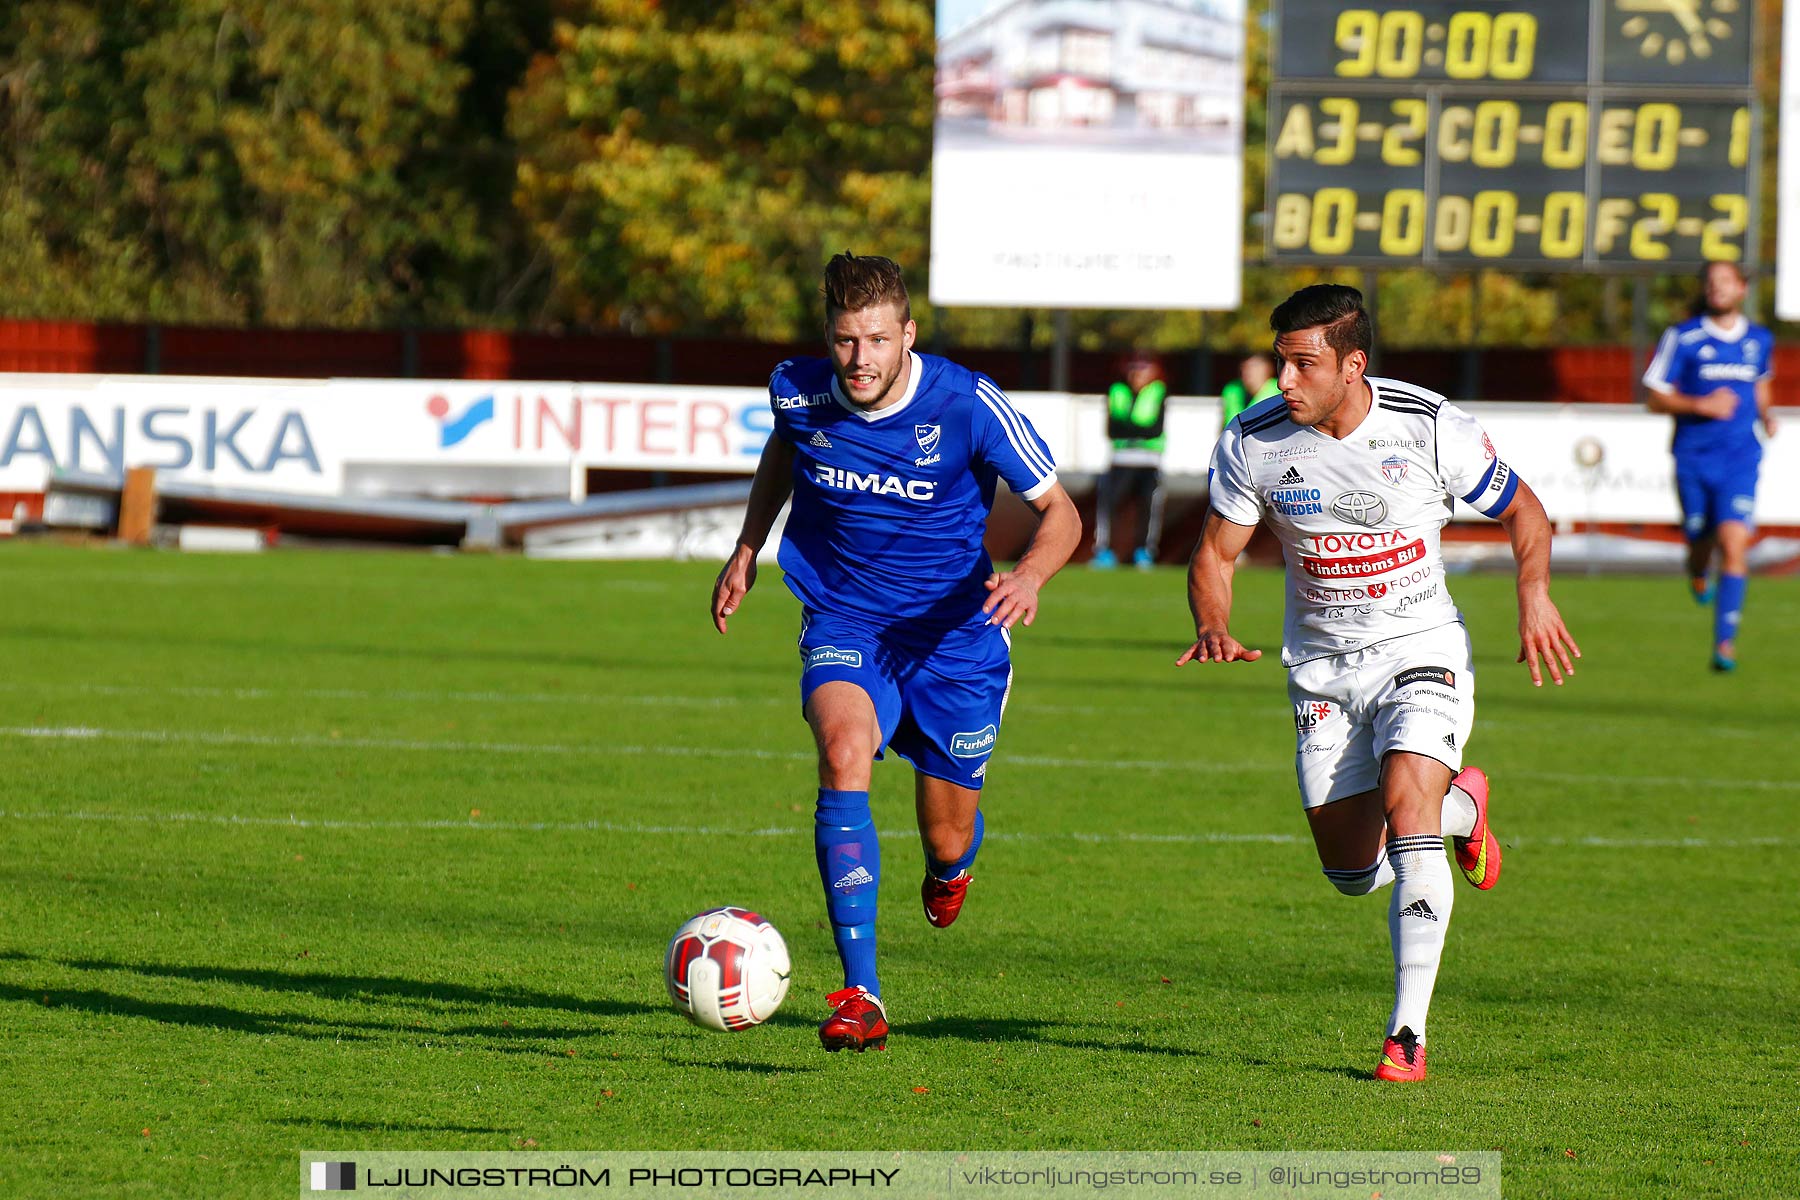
944, 897
858, 1022
1478, 854
1402, 1058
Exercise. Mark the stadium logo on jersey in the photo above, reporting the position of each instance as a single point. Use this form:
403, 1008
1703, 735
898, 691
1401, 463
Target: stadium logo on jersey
1291, 479
788, 402
1308, 714
974, 745
1362, 508
831, 656
927, 436
1296, 502
1393, 467
450, 432
1412, 675
880, 485
820, 440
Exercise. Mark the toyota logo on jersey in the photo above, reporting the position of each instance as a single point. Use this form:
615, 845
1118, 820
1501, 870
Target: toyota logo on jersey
1361, 508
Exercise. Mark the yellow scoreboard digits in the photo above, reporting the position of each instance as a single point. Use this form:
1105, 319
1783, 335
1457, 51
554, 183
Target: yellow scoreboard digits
1546, 133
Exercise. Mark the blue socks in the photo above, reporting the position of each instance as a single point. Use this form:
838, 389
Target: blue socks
850, 868
1729, 603
951, 870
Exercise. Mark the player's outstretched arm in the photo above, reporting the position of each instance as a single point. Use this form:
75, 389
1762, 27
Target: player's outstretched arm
769, 490
1209, 592
1013, 595
1543, 638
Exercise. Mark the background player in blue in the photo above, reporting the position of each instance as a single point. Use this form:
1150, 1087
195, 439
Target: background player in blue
892, 458
1712, 372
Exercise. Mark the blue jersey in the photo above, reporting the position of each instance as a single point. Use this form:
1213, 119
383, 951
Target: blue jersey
890, 507
1698, 357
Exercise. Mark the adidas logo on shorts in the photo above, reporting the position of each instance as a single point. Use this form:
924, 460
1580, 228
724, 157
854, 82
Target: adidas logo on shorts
820, 440
1292, 477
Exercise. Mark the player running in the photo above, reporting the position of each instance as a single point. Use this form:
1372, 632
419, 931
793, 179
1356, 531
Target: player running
1356, 476
1712, 374
891, 458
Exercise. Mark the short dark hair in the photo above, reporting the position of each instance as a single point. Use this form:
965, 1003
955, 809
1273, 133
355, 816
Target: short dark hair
1336, 306
1736, 267
855, 282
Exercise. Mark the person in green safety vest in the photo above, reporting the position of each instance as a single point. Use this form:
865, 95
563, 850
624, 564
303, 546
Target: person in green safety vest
1135, 408
1254, 384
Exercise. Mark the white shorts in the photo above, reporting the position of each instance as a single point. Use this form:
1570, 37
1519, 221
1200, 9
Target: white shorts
1414, 693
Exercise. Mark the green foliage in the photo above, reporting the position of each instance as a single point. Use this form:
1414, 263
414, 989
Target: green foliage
683, 166
690, 166
266, 161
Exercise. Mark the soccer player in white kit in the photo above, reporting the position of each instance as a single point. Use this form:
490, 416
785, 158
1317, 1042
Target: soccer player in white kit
1356, 477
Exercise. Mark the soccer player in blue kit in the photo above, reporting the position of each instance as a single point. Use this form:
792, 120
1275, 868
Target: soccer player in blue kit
1711, 373
891, 458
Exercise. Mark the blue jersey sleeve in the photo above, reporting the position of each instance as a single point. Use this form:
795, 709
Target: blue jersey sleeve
1004, 439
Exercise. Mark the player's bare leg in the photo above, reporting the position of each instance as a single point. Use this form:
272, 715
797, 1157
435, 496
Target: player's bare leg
847, 733
1699, 566
950, 827
1734, 575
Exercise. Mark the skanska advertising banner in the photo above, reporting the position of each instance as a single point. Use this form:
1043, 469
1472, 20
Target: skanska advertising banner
374, 437
1088, 155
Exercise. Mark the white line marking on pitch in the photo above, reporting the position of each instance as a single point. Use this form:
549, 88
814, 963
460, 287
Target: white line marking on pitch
799, 832
319, 741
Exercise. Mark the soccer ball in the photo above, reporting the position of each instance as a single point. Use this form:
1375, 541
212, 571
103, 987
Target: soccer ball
726, 968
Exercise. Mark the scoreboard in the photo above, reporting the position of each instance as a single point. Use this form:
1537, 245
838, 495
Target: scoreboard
1592, 135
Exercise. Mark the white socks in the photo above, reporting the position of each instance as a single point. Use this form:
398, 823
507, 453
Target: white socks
1459, 813
1418, 917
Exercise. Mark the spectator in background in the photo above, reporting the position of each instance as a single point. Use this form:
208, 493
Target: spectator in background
1135, 408
1254, 384
1711, 373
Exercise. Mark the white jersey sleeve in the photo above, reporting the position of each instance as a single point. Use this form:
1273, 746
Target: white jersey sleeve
1231, 491
1471, 469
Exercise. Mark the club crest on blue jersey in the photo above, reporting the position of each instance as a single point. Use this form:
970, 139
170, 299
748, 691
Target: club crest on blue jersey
928, 437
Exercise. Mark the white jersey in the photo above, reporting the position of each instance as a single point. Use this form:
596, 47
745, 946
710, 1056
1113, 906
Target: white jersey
1359, 518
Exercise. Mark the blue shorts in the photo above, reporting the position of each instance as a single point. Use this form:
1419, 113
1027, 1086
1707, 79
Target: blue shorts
939, 701
1715, 490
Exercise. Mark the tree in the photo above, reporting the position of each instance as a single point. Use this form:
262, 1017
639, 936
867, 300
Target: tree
690, 165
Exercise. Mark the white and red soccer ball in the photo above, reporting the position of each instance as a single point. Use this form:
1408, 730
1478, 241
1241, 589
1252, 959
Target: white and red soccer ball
726, 968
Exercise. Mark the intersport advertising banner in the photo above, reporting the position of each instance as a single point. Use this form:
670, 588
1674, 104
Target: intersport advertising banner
1588, 462
1088, 154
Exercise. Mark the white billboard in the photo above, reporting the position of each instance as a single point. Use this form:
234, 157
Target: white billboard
1088, 154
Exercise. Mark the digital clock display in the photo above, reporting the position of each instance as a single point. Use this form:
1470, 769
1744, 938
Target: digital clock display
1609, 134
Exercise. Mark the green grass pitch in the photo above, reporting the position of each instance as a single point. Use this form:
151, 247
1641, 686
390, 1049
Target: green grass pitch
321, 850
